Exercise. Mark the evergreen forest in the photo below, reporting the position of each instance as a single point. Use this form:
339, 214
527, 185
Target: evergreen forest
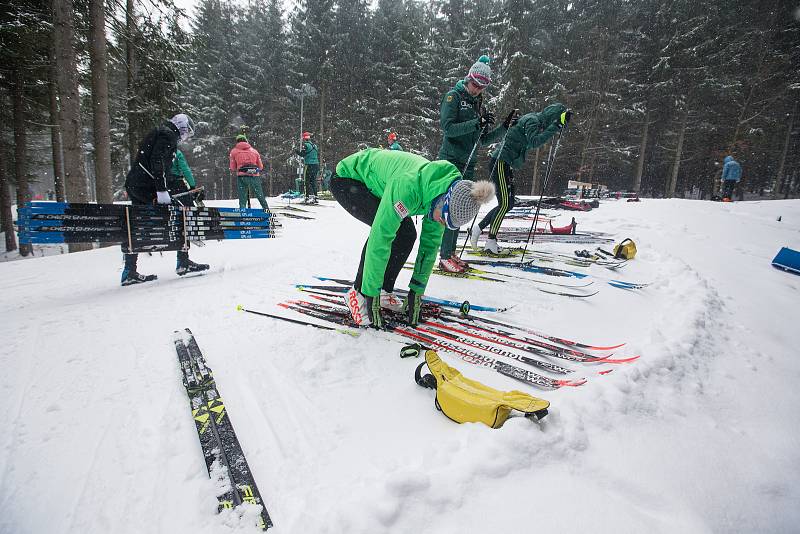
661, 90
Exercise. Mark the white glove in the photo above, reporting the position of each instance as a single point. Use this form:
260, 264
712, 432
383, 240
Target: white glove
162, 197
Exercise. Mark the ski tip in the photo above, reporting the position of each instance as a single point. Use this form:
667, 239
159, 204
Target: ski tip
624, 360
571, 383
607, 371
239, 307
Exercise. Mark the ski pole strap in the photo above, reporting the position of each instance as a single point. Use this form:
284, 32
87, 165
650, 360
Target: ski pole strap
411, 351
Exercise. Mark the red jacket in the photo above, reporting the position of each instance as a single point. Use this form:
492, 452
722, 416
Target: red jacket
243, 156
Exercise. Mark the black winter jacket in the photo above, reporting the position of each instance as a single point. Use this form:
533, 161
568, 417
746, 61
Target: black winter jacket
151, 170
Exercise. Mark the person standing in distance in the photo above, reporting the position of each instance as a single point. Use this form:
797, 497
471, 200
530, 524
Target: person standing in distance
245, 161
393, 144
310, 154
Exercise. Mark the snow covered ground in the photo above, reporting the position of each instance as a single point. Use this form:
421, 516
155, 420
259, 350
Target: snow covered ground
699, 435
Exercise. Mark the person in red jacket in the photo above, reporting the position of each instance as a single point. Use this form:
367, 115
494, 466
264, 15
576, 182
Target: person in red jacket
246, 163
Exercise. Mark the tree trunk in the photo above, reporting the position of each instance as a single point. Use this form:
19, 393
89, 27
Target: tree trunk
130, 59
20, 147
678, 152
55, 130
69, 100
102, 129
782, 163
6, 219
322, 113
637, 181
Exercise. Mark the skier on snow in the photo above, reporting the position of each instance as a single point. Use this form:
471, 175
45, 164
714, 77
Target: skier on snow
464, 123
148, 181
530, 131
310, 154
731, 174
383, 188
246, 162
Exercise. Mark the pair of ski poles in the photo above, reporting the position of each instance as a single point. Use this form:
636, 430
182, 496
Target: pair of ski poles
551, 158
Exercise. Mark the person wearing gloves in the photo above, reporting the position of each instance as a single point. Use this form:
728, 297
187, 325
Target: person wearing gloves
310, 154
393, 144
148, 181
530, 131
465, 123
383, 189
246, 162
731, 174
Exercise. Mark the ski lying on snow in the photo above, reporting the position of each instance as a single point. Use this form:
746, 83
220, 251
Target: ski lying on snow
493, 341
225, 460
466, 354
489, 325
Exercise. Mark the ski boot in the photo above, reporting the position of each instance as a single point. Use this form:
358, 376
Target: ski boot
188, 266
449, 266
474, 235
390, 301
491, 246
357, 304
458, 261
130, 278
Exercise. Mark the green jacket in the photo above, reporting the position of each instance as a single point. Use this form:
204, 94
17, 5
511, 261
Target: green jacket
395, 146
181, 169
531, 131
310, 153
459, 118
407, 184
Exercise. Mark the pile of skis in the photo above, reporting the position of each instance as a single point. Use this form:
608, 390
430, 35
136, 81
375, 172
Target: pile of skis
225, 460
531, 267
524, 235
140, 228
477, 340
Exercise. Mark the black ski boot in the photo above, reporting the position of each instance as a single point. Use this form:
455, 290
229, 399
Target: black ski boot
130, 278
129, 274
188, 266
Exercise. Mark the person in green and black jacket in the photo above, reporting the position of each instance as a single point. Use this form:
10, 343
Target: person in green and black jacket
183, 180
530, 131
383, 189
310, 154
465, 124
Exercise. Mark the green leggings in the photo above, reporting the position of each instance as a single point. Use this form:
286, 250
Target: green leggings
250, 183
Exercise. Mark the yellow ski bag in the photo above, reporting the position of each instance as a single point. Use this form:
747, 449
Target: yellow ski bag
467, 401
626, 249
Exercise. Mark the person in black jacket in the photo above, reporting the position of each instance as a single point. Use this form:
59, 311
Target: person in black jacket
149, 180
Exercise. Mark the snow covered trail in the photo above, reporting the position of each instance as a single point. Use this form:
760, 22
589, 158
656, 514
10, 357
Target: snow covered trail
698, 435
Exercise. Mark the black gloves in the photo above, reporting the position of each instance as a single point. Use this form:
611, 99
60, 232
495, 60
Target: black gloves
564, 118
511, 119
487, 119
374, 312
413, 307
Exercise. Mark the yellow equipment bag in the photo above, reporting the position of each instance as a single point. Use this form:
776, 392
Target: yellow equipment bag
467, 401
626, 249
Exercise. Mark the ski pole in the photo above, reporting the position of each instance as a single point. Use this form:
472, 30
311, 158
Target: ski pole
499, 152
551, 161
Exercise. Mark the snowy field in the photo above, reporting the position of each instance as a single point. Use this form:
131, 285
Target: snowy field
698, 435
